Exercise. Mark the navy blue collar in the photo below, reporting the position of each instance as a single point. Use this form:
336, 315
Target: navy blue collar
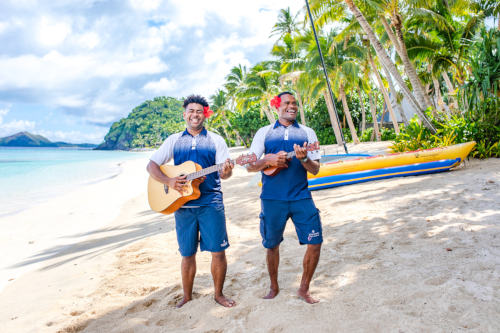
277, 123
203, 132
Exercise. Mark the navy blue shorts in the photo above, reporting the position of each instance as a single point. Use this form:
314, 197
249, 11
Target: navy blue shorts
204, 225
305, 217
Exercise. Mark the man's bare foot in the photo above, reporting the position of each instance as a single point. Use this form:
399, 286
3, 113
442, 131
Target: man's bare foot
184, 301
307, 297
226, 302
272, 294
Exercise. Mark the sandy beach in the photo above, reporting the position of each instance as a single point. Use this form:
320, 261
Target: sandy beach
410, 254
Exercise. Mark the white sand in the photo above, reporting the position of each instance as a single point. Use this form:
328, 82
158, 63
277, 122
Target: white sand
406, 254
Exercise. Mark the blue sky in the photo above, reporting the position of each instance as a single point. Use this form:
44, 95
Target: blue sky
68, 69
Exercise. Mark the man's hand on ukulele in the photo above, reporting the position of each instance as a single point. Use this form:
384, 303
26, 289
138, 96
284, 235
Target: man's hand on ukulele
228, 166
300, 152
277, 160
178, 183
227, 169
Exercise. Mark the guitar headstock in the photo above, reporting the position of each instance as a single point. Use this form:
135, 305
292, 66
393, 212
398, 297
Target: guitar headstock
246, 159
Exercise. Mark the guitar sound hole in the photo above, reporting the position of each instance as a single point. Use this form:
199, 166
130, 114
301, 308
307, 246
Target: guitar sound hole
165, 188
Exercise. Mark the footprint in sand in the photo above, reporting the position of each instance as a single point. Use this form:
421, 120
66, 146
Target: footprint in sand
75, 313
436, 281
141, 306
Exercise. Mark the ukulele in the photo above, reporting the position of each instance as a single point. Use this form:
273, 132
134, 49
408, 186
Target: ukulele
165, 200
273, 170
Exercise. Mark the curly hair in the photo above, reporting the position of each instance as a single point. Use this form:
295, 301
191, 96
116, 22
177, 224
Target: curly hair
285, 93
195, 99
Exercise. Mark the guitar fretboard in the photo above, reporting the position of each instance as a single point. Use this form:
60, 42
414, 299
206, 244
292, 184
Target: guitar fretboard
206, 171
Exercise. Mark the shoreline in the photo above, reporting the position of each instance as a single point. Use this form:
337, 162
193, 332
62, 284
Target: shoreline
52, 192
50, 223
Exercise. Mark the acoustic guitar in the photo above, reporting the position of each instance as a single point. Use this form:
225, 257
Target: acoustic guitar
166, 200
273, 171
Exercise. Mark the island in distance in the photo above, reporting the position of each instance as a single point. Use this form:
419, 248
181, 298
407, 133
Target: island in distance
26, 139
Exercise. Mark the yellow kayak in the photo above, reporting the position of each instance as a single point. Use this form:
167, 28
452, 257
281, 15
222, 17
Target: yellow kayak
458, 152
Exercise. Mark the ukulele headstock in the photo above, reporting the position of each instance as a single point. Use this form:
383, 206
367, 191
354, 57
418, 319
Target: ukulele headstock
246, 159
313, 146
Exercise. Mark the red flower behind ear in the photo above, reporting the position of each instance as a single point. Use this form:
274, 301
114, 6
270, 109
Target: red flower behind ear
276, 102
207, 112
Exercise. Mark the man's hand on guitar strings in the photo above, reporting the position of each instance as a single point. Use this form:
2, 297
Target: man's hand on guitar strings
178, 183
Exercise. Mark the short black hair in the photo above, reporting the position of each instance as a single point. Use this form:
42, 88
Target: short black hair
195, 99
285, 93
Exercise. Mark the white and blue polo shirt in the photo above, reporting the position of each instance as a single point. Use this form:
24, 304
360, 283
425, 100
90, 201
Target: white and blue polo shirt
290, 183
206, 149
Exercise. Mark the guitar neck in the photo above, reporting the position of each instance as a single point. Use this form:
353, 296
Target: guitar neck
206, 171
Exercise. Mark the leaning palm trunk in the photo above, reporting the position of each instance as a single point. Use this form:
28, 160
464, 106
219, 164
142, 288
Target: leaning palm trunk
363, 113
384, 93
301, 108
451, 90
411, 72
437, 94
347, 113
269, 114
384, 58
396, 105
333, 118
374, 117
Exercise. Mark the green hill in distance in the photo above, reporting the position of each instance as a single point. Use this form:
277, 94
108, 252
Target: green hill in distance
147, 126
26, 139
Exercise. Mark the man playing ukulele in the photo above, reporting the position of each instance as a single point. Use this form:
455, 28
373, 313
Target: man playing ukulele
201, 219
285, 194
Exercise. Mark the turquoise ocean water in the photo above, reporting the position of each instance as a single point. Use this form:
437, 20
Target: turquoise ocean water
31, 175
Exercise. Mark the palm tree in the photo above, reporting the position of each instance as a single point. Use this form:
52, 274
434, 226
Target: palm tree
219, 104
386, 61
336, 7
288, 53
259, 87
312, 78
435, 37
287, 24
344, 75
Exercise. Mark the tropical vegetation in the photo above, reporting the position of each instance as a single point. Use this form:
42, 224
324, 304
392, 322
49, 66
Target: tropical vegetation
423, 73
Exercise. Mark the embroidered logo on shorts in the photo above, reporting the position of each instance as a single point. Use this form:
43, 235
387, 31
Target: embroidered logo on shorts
312, 235
224, 243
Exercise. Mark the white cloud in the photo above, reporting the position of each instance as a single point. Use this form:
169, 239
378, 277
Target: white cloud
52, 32
163, 86
88, 40
95, 136
146, 5
55, 70
72, 101
3, 27
15, 126
3, 112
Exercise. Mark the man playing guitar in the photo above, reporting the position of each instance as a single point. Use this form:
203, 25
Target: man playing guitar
285, 194
203, 218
